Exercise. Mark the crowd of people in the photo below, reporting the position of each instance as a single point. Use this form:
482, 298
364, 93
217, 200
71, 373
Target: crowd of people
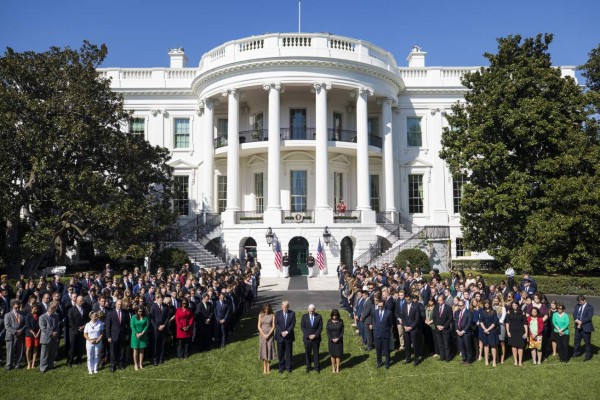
114, 319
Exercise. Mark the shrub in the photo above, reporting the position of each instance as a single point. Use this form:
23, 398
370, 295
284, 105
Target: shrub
170, 257
415, 257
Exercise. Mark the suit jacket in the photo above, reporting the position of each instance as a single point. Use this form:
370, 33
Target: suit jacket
586, 318
445, 319
49, 324
467, 321
159, 315
382, 326
11, 325
76, 319
365, 316
96, 308
399, 307
222, 310
203, 313
281, 325
117, 330
315, 329
360, 305
414, 318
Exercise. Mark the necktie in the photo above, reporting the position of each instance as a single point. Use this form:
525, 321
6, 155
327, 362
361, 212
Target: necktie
119, 315
18, 318
441, 311
460, 321
580, 312
380, 316
408, 309
312, 320
285, 320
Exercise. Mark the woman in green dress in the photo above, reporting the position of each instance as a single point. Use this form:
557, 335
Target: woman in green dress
139, 336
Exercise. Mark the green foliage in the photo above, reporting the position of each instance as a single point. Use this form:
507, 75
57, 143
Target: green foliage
533, 193
67, 162
478, 265
416, 258
170, 258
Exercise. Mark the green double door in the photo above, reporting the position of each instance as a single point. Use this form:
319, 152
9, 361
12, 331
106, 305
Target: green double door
298, 251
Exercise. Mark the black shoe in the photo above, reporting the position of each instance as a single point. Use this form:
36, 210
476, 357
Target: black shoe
112, 369
379, 365
387, 367
587, 359
281, 371
69, 365
416, 363
318, 371
407, 361
156, 364
307, 370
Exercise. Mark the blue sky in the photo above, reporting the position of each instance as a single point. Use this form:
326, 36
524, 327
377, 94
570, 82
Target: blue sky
454, 33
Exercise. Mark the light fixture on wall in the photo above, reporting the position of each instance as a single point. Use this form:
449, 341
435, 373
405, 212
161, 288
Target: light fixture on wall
326, 236
269, 236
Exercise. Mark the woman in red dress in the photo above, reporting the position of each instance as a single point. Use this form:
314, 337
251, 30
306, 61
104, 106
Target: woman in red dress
184, 322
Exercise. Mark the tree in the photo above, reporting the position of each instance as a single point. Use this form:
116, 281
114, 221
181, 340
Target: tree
521, 137
414, 258
67, 168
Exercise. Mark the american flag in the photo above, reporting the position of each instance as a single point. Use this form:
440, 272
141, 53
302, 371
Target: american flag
278, 256
320, 257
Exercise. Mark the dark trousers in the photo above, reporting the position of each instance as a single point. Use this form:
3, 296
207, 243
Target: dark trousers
368, 336
587, 340
221, 333
443, 343
465, 345
76, 349
284, 352
204, 332
311, 350
414, 339
183, 347
158, 345
562, 347
117, 354
382, 347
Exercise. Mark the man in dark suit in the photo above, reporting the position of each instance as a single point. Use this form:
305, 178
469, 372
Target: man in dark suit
204, 322
222, 314
398, 314
366, 319
159, 318
117, 333
464, 332
383, 322
582, 315
311, 325
412, 320
285, 321
442, 318
360, 303
78, 317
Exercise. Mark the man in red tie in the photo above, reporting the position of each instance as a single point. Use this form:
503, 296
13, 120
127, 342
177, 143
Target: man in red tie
117, 332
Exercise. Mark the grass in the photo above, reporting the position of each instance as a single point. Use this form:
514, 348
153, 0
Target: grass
236, 372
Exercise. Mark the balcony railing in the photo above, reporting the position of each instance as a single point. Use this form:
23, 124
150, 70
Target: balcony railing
298, 217
298, 133
341, 135
254, 135
375, 141
220, 140
347, 217
248, 217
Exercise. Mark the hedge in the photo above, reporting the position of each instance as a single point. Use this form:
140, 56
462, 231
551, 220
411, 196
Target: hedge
560, 285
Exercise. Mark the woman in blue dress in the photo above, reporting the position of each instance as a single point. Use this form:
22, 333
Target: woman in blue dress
475, 313
488, 334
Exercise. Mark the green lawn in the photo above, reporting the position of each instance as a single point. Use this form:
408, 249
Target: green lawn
236, 373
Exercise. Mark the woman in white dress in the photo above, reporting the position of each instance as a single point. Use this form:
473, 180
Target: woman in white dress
93, 332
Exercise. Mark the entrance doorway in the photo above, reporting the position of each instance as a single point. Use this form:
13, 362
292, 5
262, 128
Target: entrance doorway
250, 246
298, 251
347, 252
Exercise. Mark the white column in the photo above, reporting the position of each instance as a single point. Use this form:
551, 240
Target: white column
233, 150
321, 158
274, 156
363, 202
208, 154
388, 154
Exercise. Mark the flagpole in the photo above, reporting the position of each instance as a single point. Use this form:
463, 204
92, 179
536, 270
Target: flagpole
299, 14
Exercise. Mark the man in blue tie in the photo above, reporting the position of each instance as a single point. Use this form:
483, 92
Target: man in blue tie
582, 315
311, 325
285, 321
383, 322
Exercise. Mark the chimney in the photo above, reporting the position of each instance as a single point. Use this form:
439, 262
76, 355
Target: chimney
416, 58
178, 58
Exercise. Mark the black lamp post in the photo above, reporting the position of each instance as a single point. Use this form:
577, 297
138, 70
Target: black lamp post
269, 236
326, 236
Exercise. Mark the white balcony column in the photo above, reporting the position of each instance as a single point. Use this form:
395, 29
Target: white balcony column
273, 211
388, 154
208, 155
233, 155
323, 210
363, 202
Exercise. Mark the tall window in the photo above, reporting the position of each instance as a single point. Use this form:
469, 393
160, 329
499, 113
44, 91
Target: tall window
137, 127
461, 250
259, 195
373, 126
337, 126
298, 123
181, 202
414, 132
222, 125
338, 188
221, 193
415, 194
457, 190
182, 133
374, 189
298, 190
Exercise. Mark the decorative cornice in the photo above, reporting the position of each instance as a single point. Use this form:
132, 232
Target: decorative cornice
277, 86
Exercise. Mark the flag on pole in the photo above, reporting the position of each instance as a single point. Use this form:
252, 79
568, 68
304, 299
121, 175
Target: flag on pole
278, 256
320, 257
